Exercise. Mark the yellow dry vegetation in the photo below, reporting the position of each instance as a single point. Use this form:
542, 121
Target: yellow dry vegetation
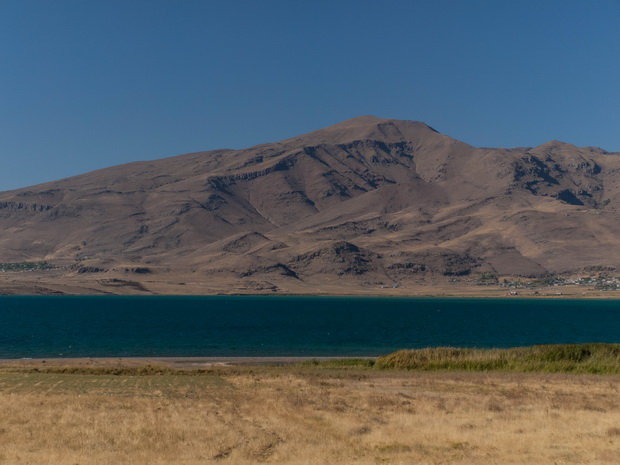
292, 415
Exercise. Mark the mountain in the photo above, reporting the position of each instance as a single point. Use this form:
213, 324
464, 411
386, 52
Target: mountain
365, 203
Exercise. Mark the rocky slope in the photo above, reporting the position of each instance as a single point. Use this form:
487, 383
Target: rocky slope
366, 202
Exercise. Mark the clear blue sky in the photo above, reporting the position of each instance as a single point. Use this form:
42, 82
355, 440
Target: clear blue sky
86, 84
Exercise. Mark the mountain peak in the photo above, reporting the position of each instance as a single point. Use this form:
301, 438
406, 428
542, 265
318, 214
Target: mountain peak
366, 127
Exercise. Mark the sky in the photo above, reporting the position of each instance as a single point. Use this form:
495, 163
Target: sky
86, 84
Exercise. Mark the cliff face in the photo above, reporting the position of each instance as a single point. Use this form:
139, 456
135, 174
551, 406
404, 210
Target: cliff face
370, 199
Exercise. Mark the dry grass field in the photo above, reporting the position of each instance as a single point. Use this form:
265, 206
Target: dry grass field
306, 415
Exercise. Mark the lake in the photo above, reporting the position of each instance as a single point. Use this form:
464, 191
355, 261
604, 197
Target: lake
218, 326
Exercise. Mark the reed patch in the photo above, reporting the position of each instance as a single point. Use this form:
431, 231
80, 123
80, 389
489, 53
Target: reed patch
566, 358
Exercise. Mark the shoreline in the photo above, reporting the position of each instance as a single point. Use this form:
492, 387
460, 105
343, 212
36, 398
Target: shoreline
49, 283
171, 362
497, 296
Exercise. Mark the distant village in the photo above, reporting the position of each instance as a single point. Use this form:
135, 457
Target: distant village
599, 283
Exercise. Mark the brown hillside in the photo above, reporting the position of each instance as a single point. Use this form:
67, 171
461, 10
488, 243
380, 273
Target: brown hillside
366, 202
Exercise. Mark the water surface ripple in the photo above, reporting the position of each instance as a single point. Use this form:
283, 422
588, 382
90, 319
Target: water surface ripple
217, 326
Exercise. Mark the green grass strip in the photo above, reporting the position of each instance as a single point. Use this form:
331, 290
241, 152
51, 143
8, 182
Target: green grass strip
553, 358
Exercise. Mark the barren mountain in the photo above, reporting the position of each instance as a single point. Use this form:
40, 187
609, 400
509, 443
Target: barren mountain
366, 203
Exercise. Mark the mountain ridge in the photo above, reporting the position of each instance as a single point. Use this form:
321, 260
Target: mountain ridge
362, 203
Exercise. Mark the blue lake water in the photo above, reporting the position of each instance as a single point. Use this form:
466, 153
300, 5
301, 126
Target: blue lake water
88, 326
